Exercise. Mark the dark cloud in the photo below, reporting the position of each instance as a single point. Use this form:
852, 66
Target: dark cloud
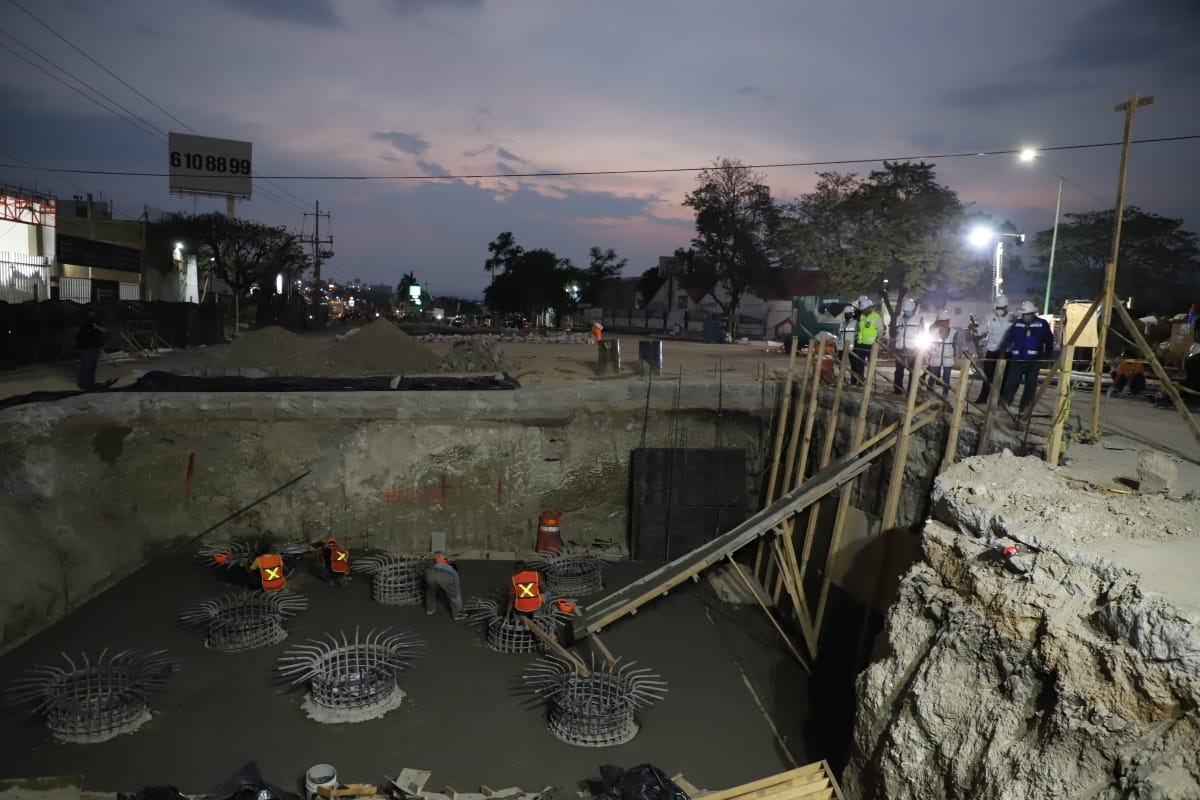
505, 169
402, 141
1014, 91
433, 170
314, 13
927, 142
1130, 33
417, 6
507, 156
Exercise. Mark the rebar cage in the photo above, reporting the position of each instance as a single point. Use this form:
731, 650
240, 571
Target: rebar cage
399, 580
352, 677
596, 710
93, 701
238, 622
508, 633
569, 574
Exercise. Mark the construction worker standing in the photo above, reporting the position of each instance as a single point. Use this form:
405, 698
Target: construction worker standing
869, 324
990, 339
442, 575
1028, 343
943, 349
908, 331
847, 330
333, 562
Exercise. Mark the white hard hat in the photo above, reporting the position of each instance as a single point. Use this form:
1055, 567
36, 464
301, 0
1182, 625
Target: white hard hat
1001, 302
1194, 350
864, 302
908, 306
848, 310
1028, 307
943, 316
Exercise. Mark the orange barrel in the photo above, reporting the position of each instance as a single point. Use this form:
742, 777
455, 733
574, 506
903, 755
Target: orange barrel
549, 535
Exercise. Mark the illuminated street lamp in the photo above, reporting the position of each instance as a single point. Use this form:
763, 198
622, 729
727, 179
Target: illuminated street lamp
982, 235
1028, 155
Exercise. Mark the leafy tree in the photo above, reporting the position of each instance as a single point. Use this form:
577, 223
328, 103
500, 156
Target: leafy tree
534, 282
736, 224
242, 252
897, 224
1156, 264
505, 251
605, 265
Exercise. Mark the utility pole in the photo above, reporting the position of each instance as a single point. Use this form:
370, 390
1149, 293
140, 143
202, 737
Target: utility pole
1130, 106
316, 241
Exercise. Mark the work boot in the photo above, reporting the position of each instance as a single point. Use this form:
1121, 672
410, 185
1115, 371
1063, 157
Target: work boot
429, 612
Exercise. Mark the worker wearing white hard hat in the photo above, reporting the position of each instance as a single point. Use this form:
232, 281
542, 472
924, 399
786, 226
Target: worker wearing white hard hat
1028, 344
869, 326
989, 339
943, 349
908, 331
847, 329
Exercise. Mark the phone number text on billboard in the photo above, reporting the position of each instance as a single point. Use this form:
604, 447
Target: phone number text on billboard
202, 165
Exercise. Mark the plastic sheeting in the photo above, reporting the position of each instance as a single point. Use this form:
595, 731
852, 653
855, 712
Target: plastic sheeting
643, 782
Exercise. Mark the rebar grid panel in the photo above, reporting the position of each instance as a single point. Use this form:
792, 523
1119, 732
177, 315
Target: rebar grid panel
569, 574
93, 701
238, 622
598, 710
507, 633
399, 579
352, 676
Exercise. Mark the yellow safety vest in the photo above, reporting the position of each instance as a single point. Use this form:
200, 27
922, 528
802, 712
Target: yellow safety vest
868, 329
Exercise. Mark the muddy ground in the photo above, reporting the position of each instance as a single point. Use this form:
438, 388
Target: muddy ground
461, 719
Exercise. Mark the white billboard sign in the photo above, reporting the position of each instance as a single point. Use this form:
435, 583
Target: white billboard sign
200, 165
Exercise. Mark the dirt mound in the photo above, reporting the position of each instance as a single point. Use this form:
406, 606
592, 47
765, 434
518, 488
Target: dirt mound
270, 351
475, 355
380, 349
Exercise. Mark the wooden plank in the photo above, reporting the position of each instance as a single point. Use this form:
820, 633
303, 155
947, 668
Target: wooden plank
661, 580
558, 649
960, 400
771, 780
891, 503
1061, 408
989, 414
781, 426
1167, 385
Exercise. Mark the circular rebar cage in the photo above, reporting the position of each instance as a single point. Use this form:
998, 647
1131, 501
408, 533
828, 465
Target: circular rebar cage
509, 633
597, 709
243, 622
93, 702
355, 678
398, 580
569, 574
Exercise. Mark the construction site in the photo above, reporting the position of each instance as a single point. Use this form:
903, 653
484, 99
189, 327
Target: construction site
759, 579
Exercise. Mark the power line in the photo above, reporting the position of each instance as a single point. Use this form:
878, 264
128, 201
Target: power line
585, 173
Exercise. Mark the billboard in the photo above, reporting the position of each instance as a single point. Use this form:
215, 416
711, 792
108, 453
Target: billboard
200, 165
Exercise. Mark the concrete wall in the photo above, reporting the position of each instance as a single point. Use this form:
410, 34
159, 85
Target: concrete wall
97, 484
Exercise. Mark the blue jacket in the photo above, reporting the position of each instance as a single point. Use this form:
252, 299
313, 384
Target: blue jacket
1028, 341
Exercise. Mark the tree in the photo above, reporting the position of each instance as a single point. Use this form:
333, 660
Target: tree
899, 225
1156, 263
505, 251
534, 282
605, 265
736, 224
242, 252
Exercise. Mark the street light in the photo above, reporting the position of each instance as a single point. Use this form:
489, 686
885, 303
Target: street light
980, 236
1028, 155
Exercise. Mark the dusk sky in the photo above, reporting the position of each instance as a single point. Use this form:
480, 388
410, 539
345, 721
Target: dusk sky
373, 88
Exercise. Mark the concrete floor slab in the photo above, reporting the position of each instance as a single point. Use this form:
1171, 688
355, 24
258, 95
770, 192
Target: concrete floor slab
460, 720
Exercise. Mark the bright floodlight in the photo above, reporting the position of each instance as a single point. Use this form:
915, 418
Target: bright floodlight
981, 236
1028, 154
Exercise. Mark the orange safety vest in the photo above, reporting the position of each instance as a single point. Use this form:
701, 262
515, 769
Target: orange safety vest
270, 569
339, 558
527, 592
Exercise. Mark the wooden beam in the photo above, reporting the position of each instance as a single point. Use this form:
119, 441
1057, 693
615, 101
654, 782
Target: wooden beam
960, 401
891, 503
989, 415
1061, 408
785, 400
1159, 372
787, 640
558, 649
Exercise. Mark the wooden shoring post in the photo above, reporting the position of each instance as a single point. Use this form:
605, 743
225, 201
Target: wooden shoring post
1061, 408
779, 629
554, 645
796, 592
956, 417
810, 419
785, 399
1159, 372
989, 414
1061, 366
814, 513
788, 483
891, 503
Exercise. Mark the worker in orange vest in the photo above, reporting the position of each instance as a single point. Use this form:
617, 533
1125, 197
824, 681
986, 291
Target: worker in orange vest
442, 575
527, 591
333, 562
269, 569
597, 331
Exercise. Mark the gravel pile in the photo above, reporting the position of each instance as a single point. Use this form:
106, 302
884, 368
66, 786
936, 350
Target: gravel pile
381, 348
270, 351
477, 354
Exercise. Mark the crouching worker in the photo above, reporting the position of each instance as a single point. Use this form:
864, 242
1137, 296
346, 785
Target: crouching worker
332, 564
442, 575
1129, 375
266, 572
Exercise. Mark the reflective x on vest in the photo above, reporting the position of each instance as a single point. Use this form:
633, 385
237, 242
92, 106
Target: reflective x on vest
273, 573
340, 562
526, 590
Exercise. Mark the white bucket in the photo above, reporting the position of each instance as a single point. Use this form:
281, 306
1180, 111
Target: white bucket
319, 775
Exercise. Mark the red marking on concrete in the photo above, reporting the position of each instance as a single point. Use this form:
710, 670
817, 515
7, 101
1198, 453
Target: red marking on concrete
187, 477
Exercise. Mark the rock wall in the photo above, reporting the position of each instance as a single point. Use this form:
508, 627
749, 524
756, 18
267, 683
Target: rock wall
1054, 673
98, 484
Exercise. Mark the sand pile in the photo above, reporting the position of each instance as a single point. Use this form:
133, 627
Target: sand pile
380, 349
267, 351
476, 355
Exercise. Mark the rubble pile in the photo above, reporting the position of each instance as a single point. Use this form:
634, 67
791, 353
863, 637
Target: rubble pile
477, 354
381, 349
549, 338
270, 351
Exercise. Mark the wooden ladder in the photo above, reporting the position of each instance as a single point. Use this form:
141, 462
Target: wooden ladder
811, 782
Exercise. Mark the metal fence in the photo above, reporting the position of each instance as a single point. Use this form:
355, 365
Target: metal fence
24, 277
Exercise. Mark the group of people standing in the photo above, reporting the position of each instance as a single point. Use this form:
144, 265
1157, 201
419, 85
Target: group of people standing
1025, 341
